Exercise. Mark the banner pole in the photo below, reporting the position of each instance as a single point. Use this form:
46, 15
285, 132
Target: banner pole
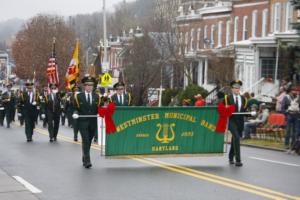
226, 138
99, 134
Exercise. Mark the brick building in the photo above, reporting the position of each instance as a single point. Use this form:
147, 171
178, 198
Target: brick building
239, 39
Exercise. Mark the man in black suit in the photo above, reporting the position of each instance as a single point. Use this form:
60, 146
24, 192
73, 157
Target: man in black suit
236, 121
121, 98
2, 109
52, 109
28, 108
87, 103
71, 109
9, 101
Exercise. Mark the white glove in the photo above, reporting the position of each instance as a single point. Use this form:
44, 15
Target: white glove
43, 116
253, 113
2, 108
34, 103
19, 114
63, 114
75, 116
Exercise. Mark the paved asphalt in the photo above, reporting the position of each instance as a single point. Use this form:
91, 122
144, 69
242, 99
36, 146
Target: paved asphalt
56, 170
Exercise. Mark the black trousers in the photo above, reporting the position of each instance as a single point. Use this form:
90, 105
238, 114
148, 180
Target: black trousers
75, 128
2, 114
53, 123
9, 115
235, 151
29, 126
87, 130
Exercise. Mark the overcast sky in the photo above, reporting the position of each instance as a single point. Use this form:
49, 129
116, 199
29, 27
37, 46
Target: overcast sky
25, 9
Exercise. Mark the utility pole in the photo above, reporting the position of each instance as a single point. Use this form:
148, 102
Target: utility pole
105, 61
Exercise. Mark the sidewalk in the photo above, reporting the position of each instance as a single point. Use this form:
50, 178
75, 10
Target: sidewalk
10, 189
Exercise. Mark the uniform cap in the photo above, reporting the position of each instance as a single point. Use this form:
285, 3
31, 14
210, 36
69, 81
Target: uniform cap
88, 80
119, 84
236, 83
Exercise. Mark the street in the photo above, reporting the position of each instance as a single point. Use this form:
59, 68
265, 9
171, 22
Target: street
56, 170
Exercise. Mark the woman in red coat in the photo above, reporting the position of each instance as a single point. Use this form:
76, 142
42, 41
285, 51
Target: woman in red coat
199, 100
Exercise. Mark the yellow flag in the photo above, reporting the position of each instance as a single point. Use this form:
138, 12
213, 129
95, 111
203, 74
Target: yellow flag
73, 69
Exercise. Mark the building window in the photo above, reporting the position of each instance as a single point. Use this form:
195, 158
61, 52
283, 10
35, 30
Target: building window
205, 38
264, 23
227, 33
254, 23
245, 28
220, 34
180, 43
276, 26
268, 68
192, 40
186, 41
288, 17
198, 38
212, 39
236, 28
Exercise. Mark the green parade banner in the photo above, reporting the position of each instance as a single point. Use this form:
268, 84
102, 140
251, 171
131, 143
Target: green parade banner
164, 130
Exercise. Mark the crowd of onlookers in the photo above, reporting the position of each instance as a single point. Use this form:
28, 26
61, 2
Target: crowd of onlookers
287, 103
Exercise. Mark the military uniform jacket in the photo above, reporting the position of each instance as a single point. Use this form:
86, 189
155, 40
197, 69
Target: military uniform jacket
126, 99
85, 108
9, 100
1, 104
26, 107
238, 120
52, 105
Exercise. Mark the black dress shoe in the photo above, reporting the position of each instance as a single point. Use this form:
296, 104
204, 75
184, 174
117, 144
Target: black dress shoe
88, 165
238, 164
51, 140
29, 140
55, 139
231, 162
75, 139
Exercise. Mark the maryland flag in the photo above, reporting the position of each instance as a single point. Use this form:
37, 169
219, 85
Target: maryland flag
73, 69
52, 69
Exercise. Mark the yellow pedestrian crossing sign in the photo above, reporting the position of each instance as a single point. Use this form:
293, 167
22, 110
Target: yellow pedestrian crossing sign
106, 79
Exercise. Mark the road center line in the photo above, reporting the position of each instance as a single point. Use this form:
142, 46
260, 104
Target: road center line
274, 161
29, 186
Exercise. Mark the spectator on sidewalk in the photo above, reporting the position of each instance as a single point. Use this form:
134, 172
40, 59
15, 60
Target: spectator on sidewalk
279, 98
252, 101
252, 124
199, 100
290, 108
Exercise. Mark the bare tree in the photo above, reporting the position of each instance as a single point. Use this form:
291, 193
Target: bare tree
164, 21
143, 70
33, 47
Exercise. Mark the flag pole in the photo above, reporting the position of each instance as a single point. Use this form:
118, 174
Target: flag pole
53, 46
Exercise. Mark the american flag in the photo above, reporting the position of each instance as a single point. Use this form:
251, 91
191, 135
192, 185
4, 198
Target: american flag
52, 69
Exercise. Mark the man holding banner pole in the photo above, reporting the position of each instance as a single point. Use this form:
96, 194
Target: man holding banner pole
86, 104
236, 121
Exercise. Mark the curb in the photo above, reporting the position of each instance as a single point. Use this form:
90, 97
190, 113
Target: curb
263, 147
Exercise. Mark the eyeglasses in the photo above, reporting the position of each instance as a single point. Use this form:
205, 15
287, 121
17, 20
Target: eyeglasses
120, 88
